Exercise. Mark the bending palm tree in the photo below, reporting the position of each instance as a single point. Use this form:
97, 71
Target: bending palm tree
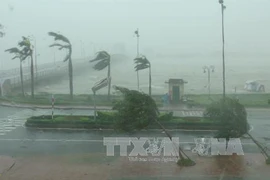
103, 60
67, 45
27, 51
22, 57
141, 64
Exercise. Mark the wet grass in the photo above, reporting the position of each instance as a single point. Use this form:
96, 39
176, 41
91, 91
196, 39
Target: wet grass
200, 100
64, 99
248, 100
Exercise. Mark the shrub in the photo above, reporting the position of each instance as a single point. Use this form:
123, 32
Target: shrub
185, 162
135, 111
166, 116
106, 116
231, 115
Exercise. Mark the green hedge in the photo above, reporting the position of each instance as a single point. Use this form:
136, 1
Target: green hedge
107, 120
165, 116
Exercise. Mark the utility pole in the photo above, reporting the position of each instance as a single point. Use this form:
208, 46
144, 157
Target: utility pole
209, 70
138, 54
223, 7
54, 57
36, 59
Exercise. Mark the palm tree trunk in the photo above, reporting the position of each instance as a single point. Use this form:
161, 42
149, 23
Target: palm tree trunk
223, 53
150, 81
138, 81
180, 152
32, 75
109, 79
21, 74
70, 72
258, 144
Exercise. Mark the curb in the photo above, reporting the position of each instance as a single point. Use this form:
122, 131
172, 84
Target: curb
85, 107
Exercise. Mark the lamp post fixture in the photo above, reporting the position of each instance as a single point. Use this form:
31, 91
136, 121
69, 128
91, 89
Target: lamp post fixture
223, 7
209, 70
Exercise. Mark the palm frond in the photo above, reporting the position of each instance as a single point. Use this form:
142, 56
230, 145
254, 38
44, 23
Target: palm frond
25, 43
23, 57
101, 55
64, 47
13, 50
101, 64
56, 44
123, 90
141, 63
59, 37
139, 67
26, 51
15, 57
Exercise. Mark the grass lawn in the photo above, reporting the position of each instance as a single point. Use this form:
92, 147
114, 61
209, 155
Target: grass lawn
64, 99
248, 100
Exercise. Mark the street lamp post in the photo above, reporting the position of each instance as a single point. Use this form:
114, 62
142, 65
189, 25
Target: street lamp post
209, 70
36, 55
223, 7
137, 34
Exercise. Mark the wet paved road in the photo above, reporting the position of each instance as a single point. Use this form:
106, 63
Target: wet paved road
16, 139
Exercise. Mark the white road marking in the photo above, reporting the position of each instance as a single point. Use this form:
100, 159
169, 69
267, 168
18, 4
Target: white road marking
9, 128
16, 120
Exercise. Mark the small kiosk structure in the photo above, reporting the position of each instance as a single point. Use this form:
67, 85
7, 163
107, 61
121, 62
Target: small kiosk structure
176, 90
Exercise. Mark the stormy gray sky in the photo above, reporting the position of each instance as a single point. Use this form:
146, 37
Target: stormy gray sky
166, 26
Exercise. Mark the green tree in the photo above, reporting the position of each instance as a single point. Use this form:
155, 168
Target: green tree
27, 51
103, 60
141, 64
138, 110
231, 115
233, 118
18, 54
65, 45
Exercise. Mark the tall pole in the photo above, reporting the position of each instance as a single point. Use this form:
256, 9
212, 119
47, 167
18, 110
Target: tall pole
95, 111
223, 44
208, 82
54, 57
138, 53
53, 105
209, 69
36, 58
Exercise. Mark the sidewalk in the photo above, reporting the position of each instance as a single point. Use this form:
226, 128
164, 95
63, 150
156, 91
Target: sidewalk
89, 166
6, 164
